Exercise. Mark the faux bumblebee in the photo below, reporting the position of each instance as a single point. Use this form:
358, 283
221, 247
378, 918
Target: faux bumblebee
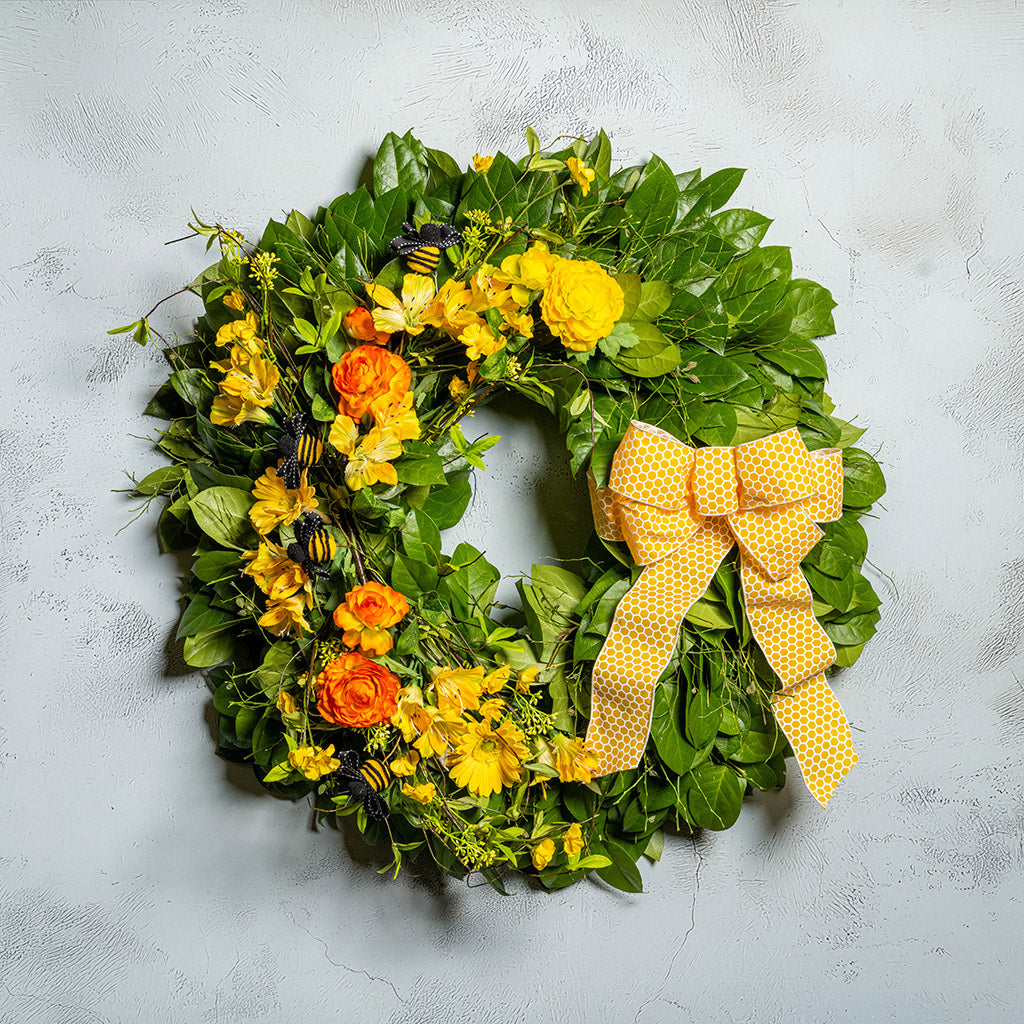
422, 249
367, 778
299, 447
314, 547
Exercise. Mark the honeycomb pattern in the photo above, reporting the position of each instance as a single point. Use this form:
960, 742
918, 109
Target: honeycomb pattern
680, 510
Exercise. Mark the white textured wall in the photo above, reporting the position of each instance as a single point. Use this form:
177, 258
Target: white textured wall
143, 880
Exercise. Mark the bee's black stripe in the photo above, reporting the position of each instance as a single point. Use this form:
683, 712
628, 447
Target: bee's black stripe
308, 450
321, 546
424, 259
375, 774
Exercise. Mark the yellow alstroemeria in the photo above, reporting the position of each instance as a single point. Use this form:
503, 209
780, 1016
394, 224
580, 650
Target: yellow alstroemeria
526, 678
405, 764
519, 323
286, 616
449, 311
527, 272
369, 458
406, 314
437, 731
458, 689
482, 163
241, 332
489, 292
274, 572
314, 762
581, 174
493, 708
571, 759
246, 390
481, 341
234, 300
276, 504
399, 417
410, 704
422, 794
542, 854
572, 841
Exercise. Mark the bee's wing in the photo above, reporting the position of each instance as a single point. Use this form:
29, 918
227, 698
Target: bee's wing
404, 246
376, 807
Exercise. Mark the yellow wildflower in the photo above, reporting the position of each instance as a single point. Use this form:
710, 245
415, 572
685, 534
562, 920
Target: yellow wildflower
286, 703
369, 460
519, 323
458, 689
405, 764
482, 163
285, 616
481, 341
572, 841
493, 708
448, 312
527, 272
542, 854
527, 678
241, 332
422, 794
581, 174
487, 291
410, 704
488, 759
274, 572
234, 300
571, 759
405, 314
400, 418
314, 762
276, 504
246, 390
496, 679
437, 731
457, 388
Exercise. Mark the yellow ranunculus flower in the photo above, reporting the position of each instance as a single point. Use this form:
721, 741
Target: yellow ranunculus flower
422, 794
581, 174
542, 854
482, 163
581, 303
572, 841
481, 341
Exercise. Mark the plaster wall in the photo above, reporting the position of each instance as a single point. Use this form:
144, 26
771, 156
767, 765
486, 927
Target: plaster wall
141, 879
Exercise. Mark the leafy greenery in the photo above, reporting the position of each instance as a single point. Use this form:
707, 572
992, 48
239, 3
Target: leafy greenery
715, 345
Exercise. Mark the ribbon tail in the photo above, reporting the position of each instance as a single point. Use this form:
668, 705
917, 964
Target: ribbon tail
782, 622
640, 644
817, 730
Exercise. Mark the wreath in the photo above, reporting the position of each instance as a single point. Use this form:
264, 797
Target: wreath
317, 435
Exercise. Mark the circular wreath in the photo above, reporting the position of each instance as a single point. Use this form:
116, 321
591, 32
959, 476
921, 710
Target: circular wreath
318, 452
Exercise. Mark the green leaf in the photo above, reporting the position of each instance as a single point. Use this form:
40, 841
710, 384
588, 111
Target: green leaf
622, 873
421, 538
623, 335
715, 796
421, 467
709, 614
630, 285
863, 482
400, 163
322, 410
742, 229
653, 355
412, 576
707, 373
667, 728
703, 714
160, 481
223, 514
216, 565
199, 617
207, 649
193, 387
655, 298
650, 209
447, 505
797, 357
755, 747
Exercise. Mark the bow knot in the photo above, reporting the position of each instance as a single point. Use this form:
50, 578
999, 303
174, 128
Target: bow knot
680, 510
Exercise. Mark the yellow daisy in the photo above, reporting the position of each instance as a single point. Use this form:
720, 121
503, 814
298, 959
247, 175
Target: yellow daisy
488, 759
276, 504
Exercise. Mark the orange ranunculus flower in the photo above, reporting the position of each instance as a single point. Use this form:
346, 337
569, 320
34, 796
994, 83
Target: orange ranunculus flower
356, 692
369, 378
581, 303
367, 613
359, 325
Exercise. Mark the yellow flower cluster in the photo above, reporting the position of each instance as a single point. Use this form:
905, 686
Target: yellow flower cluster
250, 377
289, 590
462, 720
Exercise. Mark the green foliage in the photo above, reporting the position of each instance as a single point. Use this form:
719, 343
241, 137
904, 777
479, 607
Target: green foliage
716, 345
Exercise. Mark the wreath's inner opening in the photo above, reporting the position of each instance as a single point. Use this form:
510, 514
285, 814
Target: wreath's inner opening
526, 506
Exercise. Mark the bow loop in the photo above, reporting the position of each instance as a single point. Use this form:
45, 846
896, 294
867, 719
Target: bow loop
775, 470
